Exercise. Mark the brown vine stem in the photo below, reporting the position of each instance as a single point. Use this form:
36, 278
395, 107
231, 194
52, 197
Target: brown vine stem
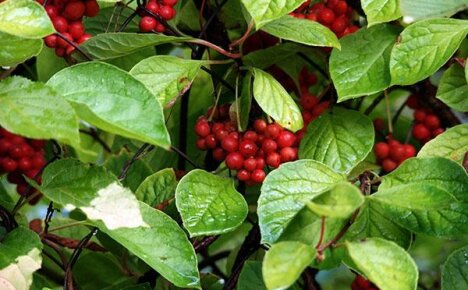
241, 40
7, 73
215, 48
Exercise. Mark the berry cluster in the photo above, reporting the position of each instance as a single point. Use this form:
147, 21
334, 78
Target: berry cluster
392, 153
334, 14
163, 8
67, 18
426, 123
249, 152
20, 156
360, 283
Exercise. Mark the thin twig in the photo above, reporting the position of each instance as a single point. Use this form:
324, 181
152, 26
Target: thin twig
184, 156
84, 54
145, 148
374, 104
93, 133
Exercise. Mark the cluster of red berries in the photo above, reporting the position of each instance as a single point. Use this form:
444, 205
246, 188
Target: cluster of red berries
360, 283
392, 153
249, 152
426, 124
67, 18
20, 156
163, 8
334, 14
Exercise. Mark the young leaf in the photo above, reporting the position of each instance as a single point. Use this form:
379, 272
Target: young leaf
265, 11
251, 277
209, 204
20, 257
384, 263
25, 18
340, 139
339, 202
275, 101
157, 188
424, 47
371, 222
112, 45
452, 144
111, 99
380, 11
455, 270
361, 66
284, 263
414, 10
286, 191
36, 111
94, 190
453, 88
162, 245
174, 75
16, 49
302, 31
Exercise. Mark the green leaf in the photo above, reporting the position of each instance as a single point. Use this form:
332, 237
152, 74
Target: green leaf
112, 45
112, 100
361, 66
209, 204
25, 18
453, 88
302, 31
414, 10
162, 245
455, 270
424, 47
436, 171
157, 188
339, 202
380, 11
265, 11
384, 263
251, 276
452, 144
284, 263
287, 190
340, 139
16, 49
20, 257
245, 102
371, 222
275, 101
174, 76
36, 111
264, 58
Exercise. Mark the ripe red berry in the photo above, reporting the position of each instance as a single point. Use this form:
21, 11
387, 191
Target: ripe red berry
243, 175
60, 24
410, 151
379, 124
24, 164
5, 145
260, 125
437, 132
211, 141
52, 11
258, 176
389, 165
326, 16
38, 144
421, 132
92, 8
397, 153
9, 165
381, 150
320, 108
250, 164
288, 154
60, 51
412, 102
260, 162
308, 102
269, 145
234, 161
218, 154
61, 42
286, 139
169, 2
221, 134
419, 115
74, 10
230, 144
167, 12
147, 24
217, 126
201, 144
339, 25
153, 7
273, 159
432, 121
247, 148
273, 130
38, 161
76, 29
84, 38
340, 7
251, 135
51, 41
202, 128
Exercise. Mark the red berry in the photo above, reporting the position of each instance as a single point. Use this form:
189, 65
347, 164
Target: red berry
167, 12
273, 130
286, 139
251, 135
258, 176
250, 164
340, 7
437, 132
247, 148
74, 10
201, 144
381, 150
70, 49
60, 51
147, 24
202, 128
52, 11
92, 8
84, 38
326, 16
216, 127
234, 161
51, 41
397, 153
243, 175
260, 125
288, 154
38, 161
5, 145
76, 29
221, 134
308, 102
339, 25
16, 140
260, 162
60, 24
9, 165
379, 124
419, 115
218, 154
388, 165
24, 164
432, 121
37, 143
153, 7
211, 141
61, 42
318, 110
273, 159
169, 2
230, 144
421, 132
412, 102
410, 151
269, 145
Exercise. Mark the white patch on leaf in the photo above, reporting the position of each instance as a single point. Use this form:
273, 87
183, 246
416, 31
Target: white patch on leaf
19, 275
408, 19
116, 207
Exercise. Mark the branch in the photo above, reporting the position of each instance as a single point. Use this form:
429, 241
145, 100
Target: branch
145, 148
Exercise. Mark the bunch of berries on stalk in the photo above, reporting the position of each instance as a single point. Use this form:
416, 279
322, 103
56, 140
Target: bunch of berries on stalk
163, 8
334, 14
392, 153
21, 157
67, 18
426, 124
360, 283
246, 152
